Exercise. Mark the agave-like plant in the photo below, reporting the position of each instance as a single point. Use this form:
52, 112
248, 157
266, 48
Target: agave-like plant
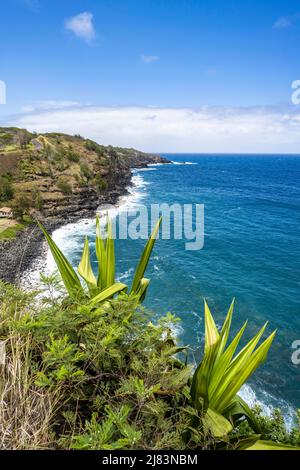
221, 374
219, 377
104, 286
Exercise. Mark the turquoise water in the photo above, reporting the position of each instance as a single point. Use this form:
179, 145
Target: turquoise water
251, 252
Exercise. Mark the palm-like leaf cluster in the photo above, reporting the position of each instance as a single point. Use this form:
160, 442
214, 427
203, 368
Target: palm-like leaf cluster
104, 286
222, 372
225, 367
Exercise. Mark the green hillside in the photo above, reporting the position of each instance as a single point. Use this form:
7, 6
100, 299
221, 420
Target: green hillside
53, 172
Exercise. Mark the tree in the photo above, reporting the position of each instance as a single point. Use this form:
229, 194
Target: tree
6, 189
22, 203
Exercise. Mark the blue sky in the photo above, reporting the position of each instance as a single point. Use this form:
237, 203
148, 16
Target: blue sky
226, 58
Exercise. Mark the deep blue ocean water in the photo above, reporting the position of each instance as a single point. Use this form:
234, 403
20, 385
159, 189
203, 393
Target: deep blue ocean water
251, 252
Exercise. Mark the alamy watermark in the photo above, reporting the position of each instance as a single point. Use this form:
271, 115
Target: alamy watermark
179, 222
296, 93
296, 353
2, 92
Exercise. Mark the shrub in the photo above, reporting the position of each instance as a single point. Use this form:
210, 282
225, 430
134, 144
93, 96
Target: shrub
213, 392
100, 183
22, 203
89, 372
94, 371
73, 156
93, 146
38, 200
104, 286
64, 186
6, 189
79, 378
85, 171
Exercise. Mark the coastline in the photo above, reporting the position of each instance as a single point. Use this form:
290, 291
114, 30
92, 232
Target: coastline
43, 262
39, 262
19, 255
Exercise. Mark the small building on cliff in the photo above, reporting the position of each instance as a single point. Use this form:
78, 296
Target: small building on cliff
6, 212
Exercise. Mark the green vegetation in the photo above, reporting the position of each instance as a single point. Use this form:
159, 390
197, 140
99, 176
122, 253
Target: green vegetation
95, 372
64, 186
100, 183
11, 231
91, 145
220, 375
104, 286
25, 201
6, 189
76, 377
73, 156
85, 171
12, 138
36, 162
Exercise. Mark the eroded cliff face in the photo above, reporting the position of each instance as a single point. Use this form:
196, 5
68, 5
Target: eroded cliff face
63, 176
63, 179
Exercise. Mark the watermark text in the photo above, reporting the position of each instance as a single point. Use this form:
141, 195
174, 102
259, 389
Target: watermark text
2, 92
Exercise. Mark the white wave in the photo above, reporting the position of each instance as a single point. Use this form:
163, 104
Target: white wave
184, 163
147, 169
71, 236
268, 403
68, 238
230, 211
126, 275
175, 328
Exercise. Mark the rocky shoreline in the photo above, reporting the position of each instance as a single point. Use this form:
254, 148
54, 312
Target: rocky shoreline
18, 255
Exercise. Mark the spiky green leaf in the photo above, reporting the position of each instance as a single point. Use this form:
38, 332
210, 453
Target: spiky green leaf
216, 424
142, 266
85, 268
68, 274
108, 293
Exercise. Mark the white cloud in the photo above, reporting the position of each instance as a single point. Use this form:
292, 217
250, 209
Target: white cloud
48, 105
285, 22
82, 26
206, 129
282, 23
148, 59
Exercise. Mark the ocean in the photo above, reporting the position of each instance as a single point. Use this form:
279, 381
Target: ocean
251, 252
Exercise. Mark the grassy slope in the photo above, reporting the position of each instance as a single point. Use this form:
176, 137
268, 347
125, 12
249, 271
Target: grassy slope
43, 160
9, 230
56, 169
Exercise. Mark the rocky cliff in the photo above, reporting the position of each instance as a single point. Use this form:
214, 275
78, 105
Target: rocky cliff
58, 178
59, 175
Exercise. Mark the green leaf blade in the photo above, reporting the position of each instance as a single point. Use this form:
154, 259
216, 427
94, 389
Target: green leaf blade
142, 266
67, 272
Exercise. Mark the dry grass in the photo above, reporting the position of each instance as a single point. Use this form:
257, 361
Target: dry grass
25, 411
9, 162
6, 223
